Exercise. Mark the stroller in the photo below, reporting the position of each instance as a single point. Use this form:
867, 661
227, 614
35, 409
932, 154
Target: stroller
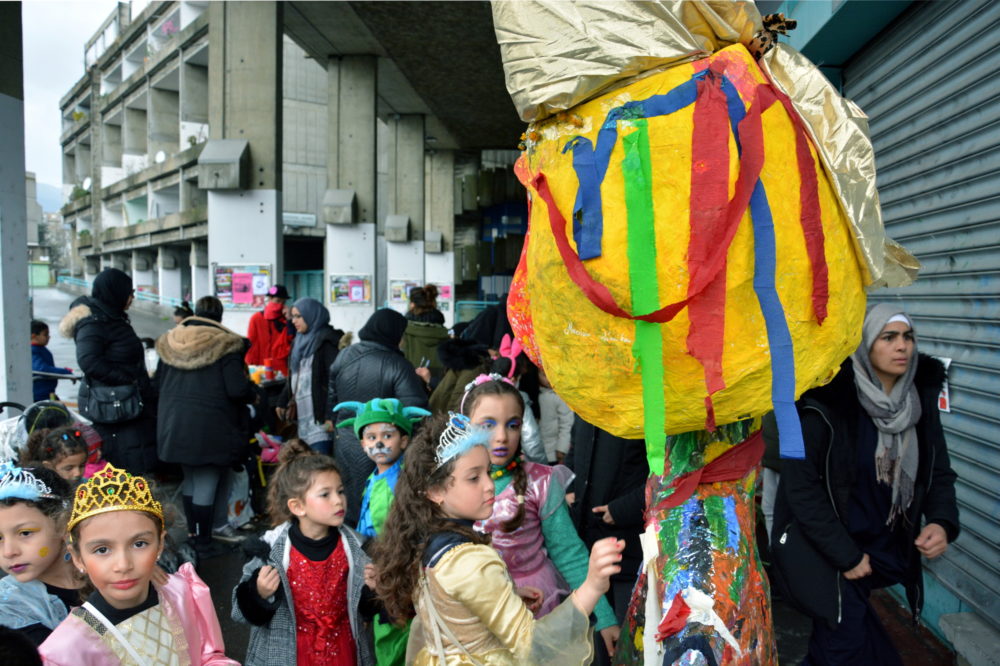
15, 430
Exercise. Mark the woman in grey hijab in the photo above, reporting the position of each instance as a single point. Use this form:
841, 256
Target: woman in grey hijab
313, 352
875, 491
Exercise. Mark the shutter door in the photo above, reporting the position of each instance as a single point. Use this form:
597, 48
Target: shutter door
929, 86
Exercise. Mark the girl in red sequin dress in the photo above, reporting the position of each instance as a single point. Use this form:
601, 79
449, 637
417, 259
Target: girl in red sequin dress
303, 592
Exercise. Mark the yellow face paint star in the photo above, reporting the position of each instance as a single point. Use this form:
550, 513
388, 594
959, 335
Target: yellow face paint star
43, 552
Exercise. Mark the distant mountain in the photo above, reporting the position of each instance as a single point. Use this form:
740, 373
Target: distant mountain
49, 197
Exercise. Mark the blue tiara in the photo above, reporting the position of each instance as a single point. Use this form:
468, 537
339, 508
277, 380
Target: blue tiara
458, 438
18, 483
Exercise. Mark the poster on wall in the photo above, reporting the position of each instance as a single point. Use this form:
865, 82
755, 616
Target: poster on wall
400, 288
350, 289
445, 296
242, 286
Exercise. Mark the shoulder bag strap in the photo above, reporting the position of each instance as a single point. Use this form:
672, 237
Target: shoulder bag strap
113, 630
438, 625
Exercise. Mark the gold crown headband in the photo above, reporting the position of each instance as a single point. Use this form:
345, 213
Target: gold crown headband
113, 489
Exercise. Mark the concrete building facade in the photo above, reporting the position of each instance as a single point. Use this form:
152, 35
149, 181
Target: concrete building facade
218, 148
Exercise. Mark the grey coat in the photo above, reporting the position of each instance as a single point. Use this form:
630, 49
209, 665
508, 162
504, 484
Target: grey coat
274, 643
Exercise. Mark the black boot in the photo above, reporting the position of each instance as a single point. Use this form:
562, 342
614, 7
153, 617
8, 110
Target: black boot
203, 544
188, 502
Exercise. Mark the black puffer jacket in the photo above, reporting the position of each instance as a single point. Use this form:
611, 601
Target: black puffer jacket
204, 392
369, 370
816, 490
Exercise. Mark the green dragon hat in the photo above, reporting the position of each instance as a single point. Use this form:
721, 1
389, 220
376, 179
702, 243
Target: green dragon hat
381, 410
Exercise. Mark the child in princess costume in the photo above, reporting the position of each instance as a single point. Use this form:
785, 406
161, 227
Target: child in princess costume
116, 535
304, 592
41, 583
383, 427
431, 564
530, 522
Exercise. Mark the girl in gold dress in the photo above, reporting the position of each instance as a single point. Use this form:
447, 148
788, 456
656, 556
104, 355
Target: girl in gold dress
432, 566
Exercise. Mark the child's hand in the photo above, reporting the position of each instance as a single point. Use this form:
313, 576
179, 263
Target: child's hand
605, 513
610, 636
371, 573
531, 596
604, 559
268, 581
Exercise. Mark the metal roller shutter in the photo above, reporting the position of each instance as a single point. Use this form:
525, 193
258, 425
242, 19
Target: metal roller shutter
929, 86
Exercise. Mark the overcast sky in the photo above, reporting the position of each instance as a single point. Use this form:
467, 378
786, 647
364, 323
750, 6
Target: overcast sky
54, 35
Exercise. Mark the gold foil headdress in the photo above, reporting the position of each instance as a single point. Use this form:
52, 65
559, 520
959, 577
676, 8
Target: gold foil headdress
113, 489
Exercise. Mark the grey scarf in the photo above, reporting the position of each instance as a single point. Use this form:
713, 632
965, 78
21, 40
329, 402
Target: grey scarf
894, 414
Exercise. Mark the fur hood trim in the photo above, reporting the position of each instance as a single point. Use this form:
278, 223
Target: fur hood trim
67, 327
197, 343
841, 391
459, 354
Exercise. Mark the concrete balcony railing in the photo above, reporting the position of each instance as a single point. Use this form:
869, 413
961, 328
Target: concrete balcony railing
75, 206
185, 225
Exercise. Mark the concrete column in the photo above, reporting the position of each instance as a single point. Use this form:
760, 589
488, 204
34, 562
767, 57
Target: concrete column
439, 207
245, 102
351, 165
200, 284
15, 371
405, 261
170, 274
405, 187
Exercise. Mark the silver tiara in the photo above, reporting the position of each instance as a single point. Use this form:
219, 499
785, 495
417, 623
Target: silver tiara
18, 483
460, 436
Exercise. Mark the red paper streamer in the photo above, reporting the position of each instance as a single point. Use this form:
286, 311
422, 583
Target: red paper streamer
708, 208
732, 465
674, 620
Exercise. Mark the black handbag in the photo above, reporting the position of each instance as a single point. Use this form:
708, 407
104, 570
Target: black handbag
109, 404
804, 577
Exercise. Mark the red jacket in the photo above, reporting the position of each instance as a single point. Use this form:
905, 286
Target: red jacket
270, 338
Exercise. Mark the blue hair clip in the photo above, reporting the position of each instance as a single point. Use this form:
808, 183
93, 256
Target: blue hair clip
17, 483
458, 438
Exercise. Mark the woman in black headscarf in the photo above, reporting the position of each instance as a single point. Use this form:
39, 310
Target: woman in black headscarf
874, 493
109, 353
313, 352
373, 368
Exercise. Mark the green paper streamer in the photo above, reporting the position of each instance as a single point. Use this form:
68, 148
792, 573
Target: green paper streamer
648, 346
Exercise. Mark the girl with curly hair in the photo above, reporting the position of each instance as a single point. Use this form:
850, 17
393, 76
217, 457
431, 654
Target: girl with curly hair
431, 564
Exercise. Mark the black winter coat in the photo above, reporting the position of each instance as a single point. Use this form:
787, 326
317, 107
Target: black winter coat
109, 353
323, 358
609, 471
816, 491
369, 370
204, 393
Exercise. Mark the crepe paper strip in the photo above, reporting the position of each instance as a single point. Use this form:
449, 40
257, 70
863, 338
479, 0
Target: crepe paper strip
812, 225
637, 175
779, 339
732, 465
591, 164
708, 199
674, 620
588, 222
